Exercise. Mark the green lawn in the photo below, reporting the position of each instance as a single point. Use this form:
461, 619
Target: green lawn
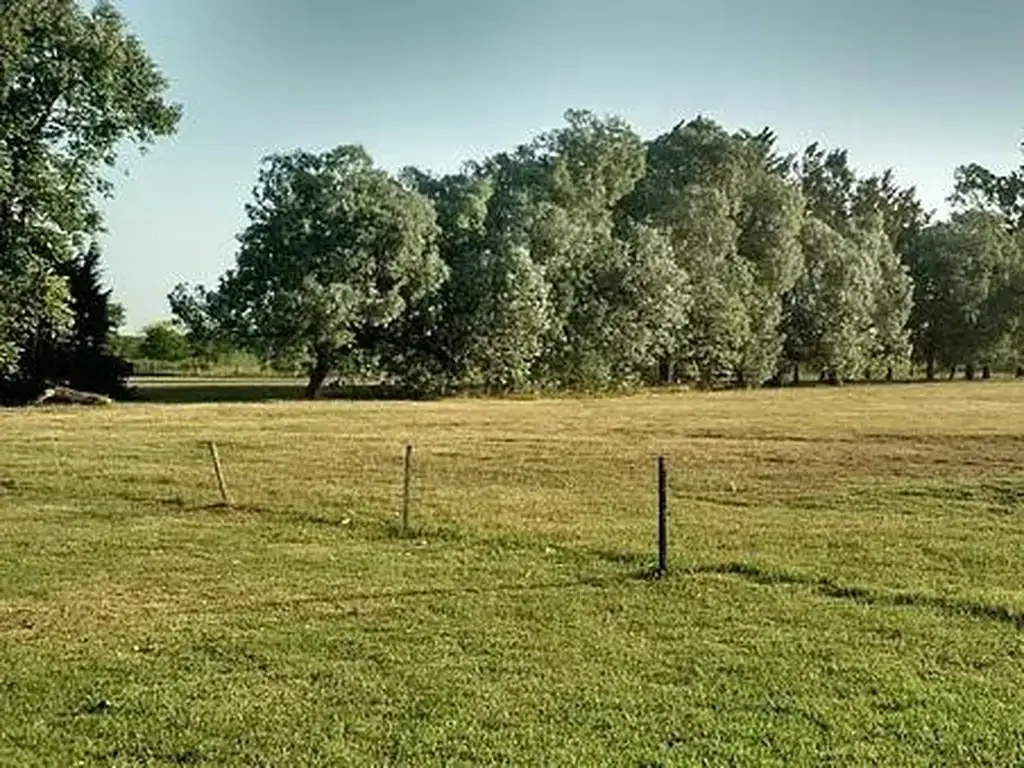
847, 582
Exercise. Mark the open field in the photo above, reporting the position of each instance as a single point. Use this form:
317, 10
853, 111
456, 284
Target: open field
847, 582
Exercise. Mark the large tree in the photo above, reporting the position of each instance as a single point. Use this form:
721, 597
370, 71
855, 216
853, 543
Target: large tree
86, 358
967, 274
75, 87
770, 219
1002, 196
336, 251
35, 319
882, 221
891, 289
718, 328
487, 328
734, 221
547, 284
577, 176
829, 319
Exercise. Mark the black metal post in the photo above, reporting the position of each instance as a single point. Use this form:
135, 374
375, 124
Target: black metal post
662, 518
406, 497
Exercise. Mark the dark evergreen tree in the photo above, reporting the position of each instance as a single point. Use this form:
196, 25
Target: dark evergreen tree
86, 360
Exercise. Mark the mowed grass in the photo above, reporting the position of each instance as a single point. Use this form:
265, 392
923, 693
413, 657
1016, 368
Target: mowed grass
846, 585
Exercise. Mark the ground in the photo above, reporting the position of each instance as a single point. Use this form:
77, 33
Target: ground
845, 582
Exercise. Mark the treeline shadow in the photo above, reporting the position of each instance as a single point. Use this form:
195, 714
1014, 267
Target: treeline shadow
197, 391
185, 392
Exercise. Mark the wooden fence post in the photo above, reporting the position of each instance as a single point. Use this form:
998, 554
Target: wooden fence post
219, 471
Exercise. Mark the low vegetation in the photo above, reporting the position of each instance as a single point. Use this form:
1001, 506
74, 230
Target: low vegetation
844, 583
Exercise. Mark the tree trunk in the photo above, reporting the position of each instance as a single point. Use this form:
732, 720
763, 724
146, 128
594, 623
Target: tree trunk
930, 368
969, 371
796, 374
952, 373
986, 372
1020, 371
666, 374
889, 374
707, 377
317, 376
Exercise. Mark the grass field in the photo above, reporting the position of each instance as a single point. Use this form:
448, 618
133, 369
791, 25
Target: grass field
847, 582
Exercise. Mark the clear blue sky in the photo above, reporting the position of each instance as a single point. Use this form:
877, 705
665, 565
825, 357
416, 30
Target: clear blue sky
917, 85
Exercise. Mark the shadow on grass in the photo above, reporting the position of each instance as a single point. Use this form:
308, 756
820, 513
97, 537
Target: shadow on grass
185, 391
641, 569
950, 606
189, 390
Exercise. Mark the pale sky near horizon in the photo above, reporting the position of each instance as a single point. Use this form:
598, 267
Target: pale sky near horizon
917, 86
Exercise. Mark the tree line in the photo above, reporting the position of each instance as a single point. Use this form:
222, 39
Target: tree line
586, 258
589, 258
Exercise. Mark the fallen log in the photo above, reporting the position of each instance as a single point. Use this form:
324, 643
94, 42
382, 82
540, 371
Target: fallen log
69, 396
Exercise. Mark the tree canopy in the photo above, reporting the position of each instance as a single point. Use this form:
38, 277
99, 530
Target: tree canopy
588, 257
335, 252
75, 87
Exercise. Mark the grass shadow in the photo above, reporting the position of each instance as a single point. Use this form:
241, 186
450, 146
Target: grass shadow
196, 391
826, 587
187, 390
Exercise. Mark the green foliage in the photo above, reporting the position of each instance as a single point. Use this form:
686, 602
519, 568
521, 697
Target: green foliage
705, 244
194, 310
35, 320
509, 320
335, 252
967, 276
981, 189
544, 287
770, 221
75, 87
586, 258
164, 342
829, 186
830, 324
902, 215
734, 220
883, 223
891, 297
583, 172
86, 360
486, 326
